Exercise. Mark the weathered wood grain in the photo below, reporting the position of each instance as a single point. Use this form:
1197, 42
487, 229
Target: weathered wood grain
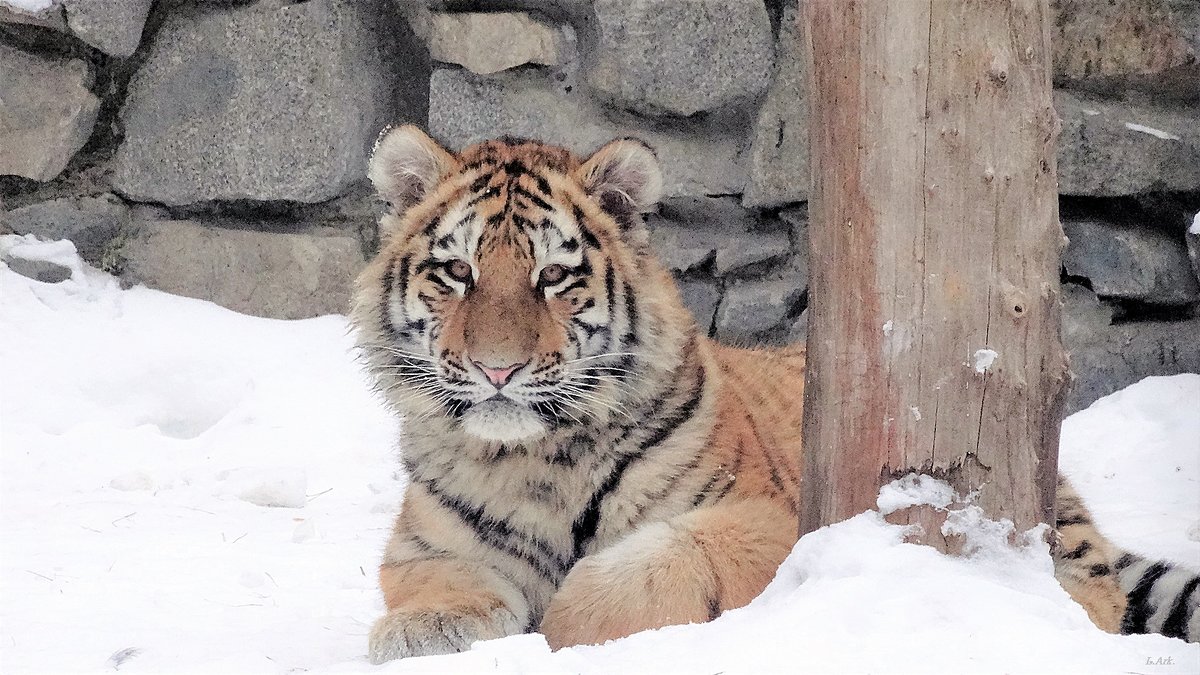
934, 236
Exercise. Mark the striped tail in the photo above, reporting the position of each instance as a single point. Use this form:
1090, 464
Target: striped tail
1163, 598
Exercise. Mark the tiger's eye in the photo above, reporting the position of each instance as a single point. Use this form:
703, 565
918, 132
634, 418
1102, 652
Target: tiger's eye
552, 274
459, 270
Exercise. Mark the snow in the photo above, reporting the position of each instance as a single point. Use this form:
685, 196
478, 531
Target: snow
1195, 228
912, 490
984, 359
186, 489
1134, 457
140, 435
1157, 133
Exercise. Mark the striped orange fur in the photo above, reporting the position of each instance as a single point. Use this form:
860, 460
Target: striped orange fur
581, 460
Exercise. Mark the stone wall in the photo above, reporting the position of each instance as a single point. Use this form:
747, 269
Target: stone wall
216, 148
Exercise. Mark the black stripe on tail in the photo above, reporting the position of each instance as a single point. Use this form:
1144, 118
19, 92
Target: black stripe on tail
1140, 610
1163, 598
1177, 620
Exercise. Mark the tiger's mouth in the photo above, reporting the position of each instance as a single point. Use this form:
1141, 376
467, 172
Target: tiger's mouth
499, 418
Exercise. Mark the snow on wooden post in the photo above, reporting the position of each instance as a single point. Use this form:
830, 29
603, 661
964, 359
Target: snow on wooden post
934, 330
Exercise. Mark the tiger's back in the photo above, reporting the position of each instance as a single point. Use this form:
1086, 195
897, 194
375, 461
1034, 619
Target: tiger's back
757, 430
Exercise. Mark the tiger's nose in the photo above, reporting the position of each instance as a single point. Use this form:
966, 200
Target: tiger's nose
499, 376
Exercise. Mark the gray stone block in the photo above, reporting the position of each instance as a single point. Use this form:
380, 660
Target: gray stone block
796, 219
90, 222
1192, 236
112, 26
1113, 358
1106, 148
488, 42
46, 113
779, 146
689, 231
49, 17
701, 296
752, 309
1109, 148
678, 247
698, 156
680, 57
578, 9
1083, 314
270, 101
1186, 14
1122, 45
292, 275
1107, 357
41, 270
1129, 262
799, 330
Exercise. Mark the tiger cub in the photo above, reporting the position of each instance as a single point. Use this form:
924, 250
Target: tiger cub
582, 462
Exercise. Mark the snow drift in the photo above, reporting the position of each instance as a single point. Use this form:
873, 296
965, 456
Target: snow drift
186, 489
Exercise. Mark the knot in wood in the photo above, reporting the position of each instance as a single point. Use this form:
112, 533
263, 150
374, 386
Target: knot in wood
998, 71
1016, 301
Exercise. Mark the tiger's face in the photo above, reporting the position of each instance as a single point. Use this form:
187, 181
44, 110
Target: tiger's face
503, 295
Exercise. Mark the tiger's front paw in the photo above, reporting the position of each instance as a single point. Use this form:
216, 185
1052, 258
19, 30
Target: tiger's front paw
403, 633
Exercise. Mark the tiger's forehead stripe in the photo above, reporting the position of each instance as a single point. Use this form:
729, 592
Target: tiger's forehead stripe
509, 202
459, 234
518, 150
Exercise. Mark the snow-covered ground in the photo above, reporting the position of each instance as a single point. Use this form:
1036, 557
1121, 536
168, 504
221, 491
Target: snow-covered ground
187, 489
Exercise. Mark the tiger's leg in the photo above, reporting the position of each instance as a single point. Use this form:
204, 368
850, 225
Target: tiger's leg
1084, 562
438, 602
686, 570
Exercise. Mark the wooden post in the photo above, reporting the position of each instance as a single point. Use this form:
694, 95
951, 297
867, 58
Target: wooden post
934, 330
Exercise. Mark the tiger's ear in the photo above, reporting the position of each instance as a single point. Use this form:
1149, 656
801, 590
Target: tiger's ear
624, 178
406, 164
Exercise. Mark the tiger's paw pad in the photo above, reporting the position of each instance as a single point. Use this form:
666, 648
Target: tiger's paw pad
400, 634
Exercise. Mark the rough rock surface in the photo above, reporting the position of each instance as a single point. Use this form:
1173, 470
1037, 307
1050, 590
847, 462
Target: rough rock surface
691, 231
1187, 14
797, 221
700, 156
798, 333
294, 275
243, 134
1125, 261
779, 147
1116, 357
270, 101
701, 297
42, 270
555, 8
46, 113
1126, 44
488, 42
680, 57
1111, 149
48, 17
112, 26
752, 310
90, 222
1083, 314
1193, 244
